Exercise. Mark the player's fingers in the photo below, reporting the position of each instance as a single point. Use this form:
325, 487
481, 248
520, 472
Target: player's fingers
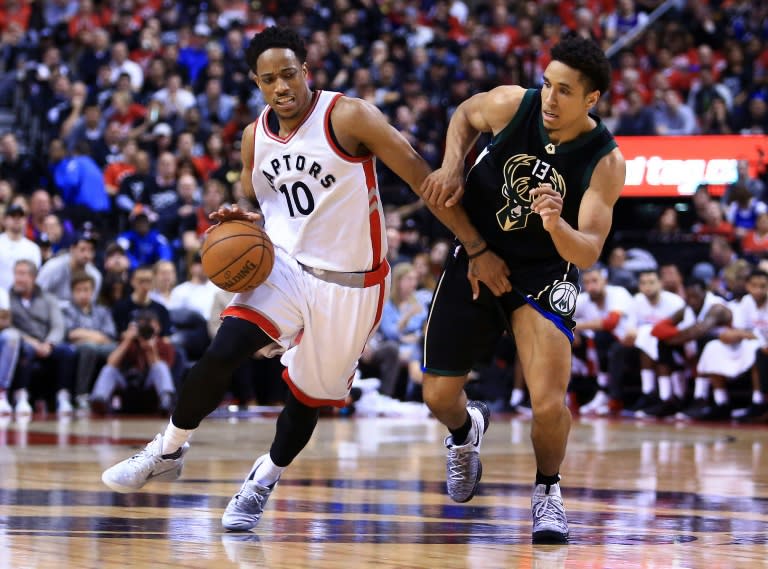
455, 197
475, 287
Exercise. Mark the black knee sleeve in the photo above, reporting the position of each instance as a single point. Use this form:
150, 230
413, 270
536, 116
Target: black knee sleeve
207, 381
295, 426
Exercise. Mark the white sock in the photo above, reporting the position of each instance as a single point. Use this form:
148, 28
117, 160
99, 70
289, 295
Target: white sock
517, 396
62, 395
701, 388
679, 384
665, 387
174, 438
648, 380
757, 397
602, 380
268, 472
721, 396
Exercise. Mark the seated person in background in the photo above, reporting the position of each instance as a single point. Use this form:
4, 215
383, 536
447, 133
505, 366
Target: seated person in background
713, 223
604, 316
743, 209
755, 242
652, 304
681, 339
140, 363
124, 311
143, 244
193, 227
38, 316
10, 344
735, 352
164, 281
403, 316
196, 293
55, 275
91, 330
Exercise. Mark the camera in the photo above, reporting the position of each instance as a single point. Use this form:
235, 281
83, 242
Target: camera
146, 330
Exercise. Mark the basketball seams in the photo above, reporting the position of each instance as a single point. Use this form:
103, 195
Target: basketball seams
236, 259
262, 260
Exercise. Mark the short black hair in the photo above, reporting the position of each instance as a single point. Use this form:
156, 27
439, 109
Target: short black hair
758, 273
274, 36
695, 282
585, 56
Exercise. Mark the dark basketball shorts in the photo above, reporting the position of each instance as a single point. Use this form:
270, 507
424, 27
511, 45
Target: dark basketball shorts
461, 332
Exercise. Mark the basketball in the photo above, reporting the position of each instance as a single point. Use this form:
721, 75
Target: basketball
237, 255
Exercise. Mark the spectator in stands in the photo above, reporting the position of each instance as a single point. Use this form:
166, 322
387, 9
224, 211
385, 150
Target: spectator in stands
121, 64
637, 119
23, 170
163, 198
755, 243
79, 181
753, 184
713, 224
174, 98
125, 310
215, 105
55, 276
706, 90
717, 119
743, 209
143, 244
38, 316
91, 330
10, 344
673, 117
141, 363
163, 282
755, 119
193, 227
403, 317
123, 166
196, 293
14, 246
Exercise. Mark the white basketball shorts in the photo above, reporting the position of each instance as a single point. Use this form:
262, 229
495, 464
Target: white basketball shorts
321, 327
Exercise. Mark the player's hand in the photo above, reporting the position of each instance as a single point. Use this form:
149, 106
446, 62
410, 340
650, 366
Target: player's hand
490, 269
232, 213
442, 188
548, 204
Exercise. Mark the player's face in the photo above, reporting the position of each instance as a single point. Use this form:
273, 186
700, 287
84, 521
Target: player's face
564, 100
649, 284
282, 79
694, 296
757, 286
594, 284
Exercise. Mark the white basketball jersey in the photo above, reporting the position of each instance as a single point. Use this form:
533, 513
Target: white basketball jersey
320, 205
747, 315
617, 299
667, 304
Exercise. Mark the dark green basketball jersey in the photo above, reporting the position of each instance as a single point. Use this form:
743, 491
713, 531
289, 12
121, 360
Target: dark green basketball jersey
518, 159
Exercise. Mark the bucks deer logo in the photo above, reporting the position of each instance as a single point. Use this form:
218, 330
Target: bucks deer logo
523, 172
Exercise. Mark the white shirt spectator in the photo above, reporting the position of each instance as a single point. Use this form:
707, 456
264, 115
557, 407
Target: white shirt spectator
666, 305
12, 250
194, 296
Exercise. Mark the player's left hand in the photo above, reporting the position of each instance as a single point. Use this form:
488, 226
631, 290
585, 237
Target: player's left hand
548, 204
232, 213
491, 270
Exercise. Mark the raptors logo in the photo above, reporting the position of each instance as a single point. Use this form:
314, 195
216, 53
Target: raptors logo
522, 173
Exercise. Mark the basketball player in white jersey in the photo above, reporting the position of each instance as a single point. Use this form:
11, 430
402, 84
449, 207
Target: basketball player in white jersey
736, 350
681, 339
309, 160
651, 305
604, 316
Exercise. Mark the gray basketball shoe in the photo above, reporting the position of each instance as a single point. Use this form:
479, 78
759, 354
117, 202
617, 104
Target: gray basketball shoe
463, 467
245, 508
147, 465
550, 524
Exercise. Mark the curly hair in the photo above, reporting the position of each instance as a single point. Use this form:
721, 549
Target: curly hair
585, 56
274, 36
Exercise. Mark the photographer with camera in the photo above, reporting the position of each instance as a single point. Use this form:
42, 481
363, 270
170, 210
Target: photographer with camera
140, 364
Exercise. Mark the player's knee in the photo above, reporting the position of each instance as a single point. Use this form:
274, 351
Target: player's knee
547, 407
441, 393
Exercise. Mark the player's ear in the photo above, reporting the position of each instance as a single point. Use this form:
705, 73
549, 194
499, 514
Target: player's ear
305, 69
593, 98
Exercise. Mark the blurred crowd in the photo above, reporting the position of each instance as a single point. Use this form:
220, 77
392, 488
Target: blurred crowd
120, 128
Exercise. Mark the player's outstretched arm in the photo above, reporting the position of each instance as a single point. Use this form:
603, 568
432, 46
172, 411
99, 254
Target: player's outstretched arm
490, 111
359, 123
583, 246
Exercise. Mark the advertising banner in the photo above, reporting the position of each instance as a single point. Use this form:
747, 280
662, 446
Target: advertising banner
668, 166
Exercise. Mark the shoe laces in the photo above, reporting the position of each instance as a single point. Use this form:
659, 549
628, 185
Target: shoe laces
251, 500
459, 464
549, 510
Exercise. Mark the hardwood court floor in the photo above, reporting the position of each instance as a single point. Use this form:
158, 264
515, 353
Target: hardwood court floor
370, 493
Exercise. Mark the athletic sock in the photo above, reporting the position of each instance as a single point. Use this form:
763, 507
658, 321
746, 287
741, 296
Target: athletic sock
461, 434
547, 480
648, 381
268, 472
174, 438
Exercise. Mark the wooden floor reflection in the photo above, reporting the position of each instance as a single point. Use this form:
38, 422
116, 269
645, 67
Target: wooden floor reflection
370, 493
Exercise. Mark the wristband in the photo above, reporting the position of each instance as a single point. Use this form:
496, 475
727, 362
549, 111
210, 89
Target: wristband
478, 253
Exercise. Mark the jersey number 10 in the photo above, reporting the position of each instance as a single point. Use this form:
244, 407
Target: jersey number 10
304, 204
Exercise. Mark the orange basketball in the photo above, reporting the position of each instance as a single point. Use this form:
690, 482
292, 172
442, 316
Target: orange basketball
237, 255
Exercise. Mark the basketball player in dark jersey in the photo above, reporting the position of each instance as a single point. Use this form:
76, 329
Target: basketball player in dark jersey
541, 196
